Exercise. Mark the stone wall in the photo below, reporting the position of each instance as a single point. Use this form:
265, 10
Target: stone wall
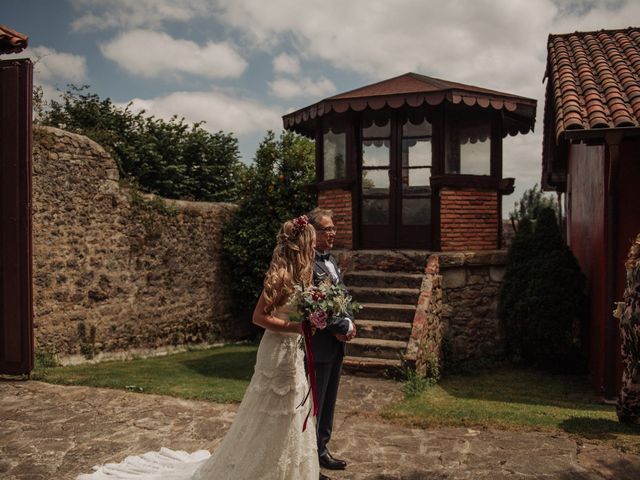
428, 329
471, 287
114, 269
628, 314
456, 321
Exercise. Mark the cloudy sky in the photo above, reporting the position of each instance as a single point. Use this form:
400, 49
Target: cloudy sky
241, 64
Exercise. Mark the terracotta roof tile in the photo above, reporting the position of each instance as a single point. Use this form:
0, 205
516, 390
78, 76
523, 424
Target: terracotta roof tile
595, 79
593, 83
12, 41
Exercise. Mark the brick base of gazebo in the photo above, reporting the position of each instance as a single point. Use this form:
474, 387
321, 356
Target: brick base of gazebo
339, 201
469, 218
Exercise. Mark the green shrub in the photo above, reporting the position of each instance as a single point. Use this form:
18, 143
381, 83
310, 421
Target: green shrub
542, 297
172, 158
86, 343
513, 306
45, 358
417, 378
556, 295
275, 189
414, 383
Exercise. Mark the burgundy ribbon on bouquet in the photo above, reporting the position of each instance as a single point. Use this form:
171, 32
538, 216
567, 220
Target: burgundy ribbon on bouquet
311, 372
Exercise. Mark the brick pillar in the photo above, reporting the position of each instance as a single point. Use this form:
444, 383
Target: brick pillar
339, 201
468, 219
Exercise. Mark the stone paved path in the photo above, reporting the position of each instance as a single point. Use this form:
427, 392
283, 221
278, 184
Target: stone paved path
53, 432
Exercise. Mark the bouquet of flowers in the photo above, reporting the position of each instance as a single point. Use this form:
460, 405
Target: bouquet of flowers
317, 307
321, 304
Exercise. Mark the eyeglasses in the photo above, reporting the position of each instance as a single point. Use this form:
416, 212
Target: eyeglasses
328, 229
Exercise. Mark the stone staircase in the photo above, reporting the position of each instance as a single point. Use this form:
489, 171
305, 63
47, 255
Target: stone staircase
387, 285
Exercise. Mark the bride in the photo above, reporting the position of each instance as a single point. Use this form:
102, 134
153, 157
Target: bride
266, 439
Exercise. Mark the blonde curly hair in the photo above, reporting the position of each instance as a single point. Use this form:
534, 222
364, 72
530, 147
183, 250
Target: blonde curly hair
291, 263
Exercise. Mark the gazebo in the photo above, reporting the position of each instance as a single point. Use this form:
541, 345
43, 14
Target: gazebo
414, 162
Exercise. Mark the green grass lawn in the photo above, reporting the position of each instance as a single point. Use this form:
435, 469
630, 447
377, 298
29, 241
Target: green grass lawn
218, 374
504, 398
517, 399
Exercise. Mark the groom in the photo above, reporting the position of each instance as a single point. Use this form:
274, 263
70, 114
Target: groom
328, 344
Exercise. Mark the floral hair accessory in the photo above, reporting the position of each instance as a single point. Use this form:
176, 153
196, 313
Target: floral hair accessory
299, 224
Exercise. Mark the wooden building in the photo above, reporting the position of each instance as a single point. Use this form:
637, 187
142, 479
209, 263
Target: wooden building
591, 153
16, 317
414, 162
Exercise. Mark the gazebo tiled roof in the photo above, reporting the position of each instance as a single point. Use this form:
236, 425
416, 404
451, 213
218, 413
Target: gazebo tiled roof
593, 87
414, 90
12, 41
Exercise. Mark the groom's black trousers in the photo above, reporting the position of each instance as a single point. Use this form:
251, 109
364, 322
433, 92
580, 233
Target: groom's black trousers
327, 381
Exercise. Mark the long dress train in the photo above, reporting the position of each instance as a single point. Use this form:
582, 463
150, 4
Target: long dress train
265, 441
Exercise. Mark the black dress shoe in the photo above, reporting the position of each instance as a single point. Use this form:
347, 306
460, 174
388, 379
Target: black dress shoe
330, 463
324, 477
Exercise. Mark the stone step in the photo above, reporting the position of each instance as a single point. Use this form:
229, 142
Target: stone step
383, 330
376, 278
375, 367
408, 261
405, 296
376, 348
387, 312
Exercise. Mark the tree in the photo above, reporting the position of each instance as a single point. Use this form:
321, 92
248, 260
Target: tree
275, 189
529, 206
512, 305
171, 158
555, 293
542, 296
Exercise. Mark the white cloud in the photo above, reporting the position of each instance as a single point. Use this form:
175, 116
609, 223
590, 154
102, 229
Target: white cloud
104, 14
588, 15
220, 111
148, 53
53, 70
464, 41
51, 66
50, 93
285, 63
296, 88
493, 44
499, 44
522, 160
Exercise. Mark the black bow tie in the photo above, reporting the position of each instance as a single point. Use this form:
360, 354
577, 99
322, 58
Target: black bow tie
322, 256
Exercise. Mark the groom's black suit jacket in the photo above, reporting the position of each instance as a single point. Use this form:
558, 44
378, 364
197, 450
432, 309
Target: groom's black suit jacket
326, 347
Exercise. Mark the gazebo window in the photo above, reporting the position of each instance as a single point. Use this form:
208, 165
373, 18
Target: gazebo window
416, 170
376, 143
468, 144
334, 151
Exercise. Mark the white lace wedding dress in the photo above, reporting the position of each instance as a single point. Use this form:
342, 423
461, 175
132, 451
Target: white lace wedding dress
265, 441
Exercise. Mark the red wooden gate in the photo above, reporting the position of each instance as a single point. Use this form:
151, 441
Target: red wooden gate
16, 314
